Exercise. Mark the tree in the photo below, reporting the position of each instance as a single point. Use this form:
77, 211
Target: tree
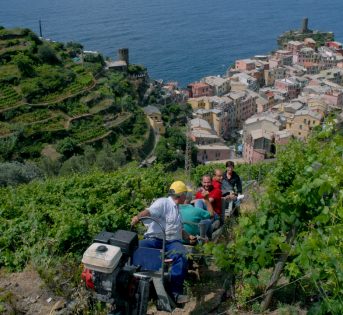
67, 146
74, 48
16, 173
46, 54
74, 165
24, 64
6, 146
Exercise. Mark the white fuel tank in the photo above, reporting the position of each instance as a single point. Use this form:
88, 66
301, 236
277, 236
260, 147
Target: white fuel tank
101, 257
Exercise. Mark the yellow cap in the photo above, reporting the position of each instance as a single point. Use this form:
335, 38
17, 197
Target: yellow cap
178, 187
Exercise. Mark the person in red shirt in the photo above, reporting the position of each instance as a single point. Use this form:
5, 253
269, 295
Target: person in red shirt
210, 193
217, 179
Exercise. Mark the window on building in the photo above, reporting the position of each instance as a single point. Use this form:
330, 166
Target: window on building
301, 126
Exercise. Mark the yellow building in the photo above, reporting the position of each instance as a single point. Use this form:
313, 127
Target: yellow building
201, 103
155, 118
302, 122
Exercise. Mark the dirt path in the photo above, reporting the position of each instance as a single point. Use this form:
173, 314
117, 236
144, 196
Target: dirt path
25, 293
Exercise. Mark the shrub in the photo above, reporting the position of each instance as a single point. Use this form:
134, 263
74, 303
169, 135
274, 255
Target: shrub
67, 146
46, 54
15, 173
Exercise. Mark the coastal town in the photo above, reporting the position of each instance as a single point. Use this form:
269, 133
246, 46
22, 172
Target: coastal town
264, 101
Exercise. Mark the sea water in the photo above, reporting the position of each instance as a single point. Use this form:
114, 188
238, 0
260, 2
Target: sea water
182, 40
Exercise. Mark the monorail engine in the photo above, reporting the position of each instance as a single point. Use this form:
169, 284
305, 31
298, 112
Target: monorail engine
110, 276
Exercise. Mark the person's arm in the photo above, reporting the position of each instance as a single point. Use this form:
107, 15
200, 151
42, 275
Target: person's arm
188, 237
209, 207
144, 213
239, 185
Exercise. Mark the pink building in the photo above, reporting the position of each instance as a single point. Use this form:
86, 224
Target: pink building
292, 88
334, 45
199, 89
285, 57
213, 152
245, 65
294, 46
258, 145
311, 67
334, 98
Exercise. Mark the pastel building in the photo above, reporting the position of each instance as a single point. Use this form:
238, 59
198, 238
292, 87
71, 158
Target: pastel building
249, 81
334, 98
244, 105
245, 64
201, 103
302, 122
155, 119
213, 152
328, 58
306, 54
285, 56
220, 86
273, 74
258, 146
288, 85
202, 133
310, 42
259, 137
199, 89
294, 46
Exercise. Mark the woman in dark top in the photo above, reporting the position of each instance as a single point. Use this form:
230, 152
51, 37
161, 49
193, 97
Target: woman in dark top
231, 184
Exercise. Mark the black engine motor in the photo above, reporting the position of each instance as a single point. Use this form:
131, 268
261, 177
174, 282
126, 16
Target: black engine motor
111, 277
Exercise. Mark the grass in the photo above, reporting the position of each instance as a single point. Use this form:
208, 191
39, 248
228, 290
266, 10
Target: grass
31, 117
53, 124
104, 104
8, 96
9, 70
5, 128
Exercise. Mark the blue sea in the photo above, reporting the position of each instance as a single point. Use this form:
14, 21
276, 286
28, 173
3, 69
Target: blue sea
180, 40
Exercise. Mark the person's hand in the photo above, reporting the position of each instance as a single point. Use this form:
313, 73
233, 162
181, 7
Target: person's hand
134, 220
234, 196
231, 196
205, 194
192, 239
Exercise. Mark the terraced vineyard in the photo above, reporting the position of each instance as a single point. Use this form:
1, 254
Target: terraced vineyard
47, 98
8, 97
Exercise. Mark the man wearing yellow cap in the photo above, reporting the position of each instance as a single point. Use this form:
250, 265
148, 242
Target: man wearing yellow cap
166, 211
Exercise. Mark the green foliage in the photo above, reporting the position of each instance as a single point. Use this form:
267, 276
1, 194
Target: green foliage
24, 64
170, 149
47, 54
136, 69
8, 96
302, 191
43, 74
74, 48
176, 114
45, 220
119, 84
67, 146
7, 146
15, 173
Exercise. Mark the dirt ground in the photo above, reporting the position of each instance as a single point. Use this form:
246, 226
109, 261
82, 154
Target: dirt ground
25, 293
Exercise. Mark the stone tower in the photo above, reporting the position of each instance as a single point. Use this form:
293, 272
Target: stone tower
123, 55
304, 25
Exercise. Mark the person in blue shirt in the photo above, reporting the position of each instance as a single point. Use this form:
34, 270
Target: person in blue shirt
191, 217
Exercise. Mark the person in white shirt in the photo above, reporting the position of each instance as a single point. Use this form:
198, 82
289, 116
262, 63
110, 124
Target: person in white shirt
166, 211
